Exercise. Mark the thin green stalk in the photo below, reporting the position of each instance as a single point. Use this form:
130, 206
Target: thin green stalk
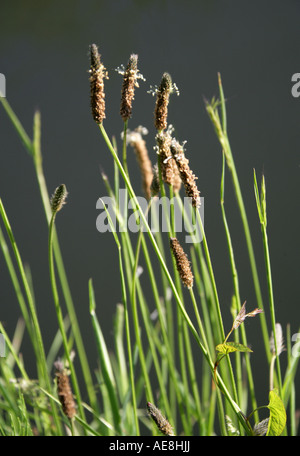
177, 297
162, 389
116, 173
34, 150
13, 352
152, 239
218, 309
272, 306
129, 262
165, 334
221, 131
60, 318
125, 147
182, 334
169, 353
17, 124
292, 401
41, 359
135, 282
211, 324
237, 295
207, 390
149, 393
211, 274
17, 288
262, 213
168, 306
120, 350
199, 321
38, 165
124, 297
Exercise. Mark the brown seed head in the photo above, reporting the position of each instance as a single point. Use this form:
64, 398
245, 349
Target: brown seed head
188, 178
169, 170
129, 83
137, 142
162, 101
182, 263
64, 392
161, 422
97, 75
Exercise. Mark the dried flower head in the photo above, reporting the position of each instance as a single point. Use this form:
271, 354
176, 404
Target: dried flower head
188, 178
169, 171
261, 428
239, 319
161, 422
130, 81
58, 198
97, 75
182, 263
64, 390
162, 93
136, 140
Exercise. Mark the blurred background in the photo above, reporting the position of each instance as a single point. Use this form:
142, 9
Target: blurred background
44, 57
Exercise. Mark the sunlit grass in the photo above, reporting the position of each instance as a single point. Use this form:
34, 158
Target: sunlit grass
177, 365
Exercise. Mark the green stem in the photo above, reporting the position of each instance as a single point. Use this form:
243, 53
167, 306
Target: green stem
166, 271
152, 239
109, 383
124, 297
40, 346
237, 295
272, 306
224, 141
37, 160
60, 317
34, 150
125, 147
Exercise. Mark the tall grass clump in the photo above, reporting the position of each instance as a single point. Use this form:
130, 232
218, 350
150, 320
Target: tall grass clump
176, 371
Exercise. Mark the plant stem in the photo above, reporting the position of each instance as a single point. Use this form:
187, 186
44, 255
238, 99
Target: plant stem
172, 285
60, 317
41, 358
221, 131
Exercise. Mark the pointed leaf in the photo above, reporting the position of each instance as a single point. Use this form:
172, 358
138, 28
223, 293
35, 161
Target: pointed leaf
230, 347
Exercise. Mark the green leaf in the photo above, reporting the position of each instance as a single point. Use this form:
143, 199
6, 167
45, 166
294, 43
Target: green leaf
229, 347
277, 419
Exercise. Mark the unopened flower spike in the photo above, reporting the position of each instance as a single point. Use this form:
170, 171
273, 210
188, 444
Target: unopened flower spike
182, 263
97, 75
162, 93
58, 198
130, 81
135, 139
161, 422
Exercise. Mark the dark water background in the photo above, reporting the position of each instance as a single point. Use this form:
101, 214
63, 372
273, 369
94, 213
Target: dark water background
44, 56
